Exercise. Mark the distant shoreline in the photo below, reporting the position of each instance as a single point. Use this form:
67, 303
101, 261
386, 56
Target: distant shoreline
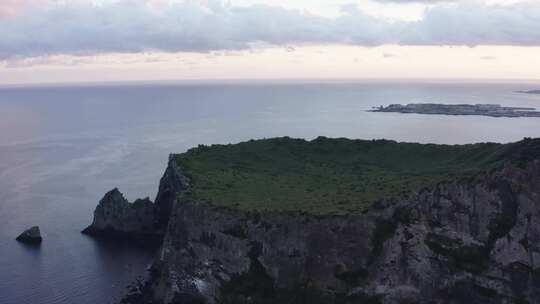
529, 92
491, 110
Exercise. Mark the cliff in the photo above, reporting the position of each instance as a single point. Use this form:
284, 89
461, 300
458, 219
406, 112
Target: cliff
468, 241
471, 239
116, 217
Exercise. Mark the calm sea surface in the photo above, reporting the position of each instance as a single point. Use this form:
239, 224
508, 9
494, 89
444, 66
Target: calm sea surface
62, 148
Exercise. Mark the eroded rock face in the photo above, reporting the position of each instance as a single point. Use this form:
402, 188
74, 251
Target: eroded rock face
30, 236
471, 241
171, 184
115, 216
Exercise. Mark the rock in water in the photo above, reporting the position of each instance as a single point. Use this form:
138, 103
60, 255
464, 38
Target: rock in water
116, 217
30, 236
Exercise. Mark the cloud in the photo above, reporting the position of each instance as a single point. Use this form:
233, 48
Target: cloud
473, 23
10, 8
290, 49
415, 1
129, 26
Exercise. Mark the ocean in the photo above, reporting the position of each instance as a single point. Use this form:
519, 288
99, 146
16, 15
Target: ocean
63, 147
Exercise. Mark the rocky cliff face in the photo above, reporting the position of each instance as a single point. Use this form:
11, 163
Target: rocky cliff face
473, 240
171, 184
115, 216
464, 241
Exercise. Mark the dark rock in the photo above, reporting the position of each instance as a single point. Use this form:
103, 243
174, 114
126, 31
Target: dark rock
115, 217
171, 184
30, 236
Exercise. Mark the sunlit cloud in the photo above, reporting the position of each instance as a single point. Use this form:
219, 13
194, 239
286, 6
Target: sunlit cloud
102, 40
318, 61
12, 8
126, 26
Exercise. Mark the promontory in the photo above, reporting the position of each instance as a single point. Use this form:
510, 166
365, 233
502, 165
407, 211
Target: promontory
288, 220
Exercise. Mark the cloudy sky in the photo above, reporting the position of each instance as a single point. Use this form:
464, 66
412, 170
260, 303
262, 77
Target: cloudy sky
113, 40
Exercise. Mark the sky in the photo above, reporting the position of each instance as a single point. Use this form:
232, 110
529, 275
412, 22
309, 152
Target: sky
57, 41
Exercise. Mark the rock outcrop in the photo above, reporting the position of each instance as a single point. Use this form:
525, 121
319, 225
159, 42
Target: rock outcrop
30, 236
116, 217
171, 184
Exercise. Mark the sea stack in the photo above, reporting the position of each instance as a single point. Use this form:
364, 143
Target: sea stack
30, 236
118, 218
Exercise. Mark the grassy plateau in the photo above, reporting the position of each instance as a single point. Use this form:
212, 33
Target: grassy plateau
333, 176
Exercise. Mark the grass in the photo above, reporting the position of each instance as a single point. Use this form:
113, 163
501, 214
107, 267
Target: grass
332, 176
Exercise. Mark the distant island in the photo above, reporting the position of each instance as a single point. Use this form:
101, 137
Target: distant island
493, 110
530, 92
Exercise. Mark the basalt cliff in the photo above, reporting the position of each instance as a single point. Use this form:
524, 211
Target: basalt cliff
464, 240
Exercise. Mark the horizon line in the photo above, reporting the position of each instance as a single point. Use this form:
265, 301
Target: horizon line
286, 80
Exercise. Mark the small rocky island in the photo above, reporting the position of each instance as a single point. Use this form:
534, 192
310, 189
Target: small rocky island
30, 236
493, 110
530, 92
339, 221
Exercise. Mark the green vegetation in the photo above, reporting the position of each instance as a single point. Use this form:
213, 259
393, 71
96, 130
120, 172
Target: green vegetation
333, 176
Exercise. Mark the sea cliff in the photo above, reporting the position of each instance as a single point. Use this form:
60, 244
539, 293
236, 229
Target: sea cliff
471, 239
